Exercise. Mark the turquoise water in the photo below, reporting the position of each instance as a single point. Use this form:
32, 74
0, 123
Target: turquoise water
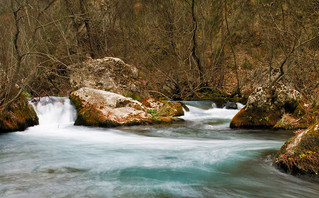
200, 157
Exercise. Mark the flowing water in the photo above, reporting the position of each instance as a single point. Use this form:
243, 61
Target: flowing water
200, 157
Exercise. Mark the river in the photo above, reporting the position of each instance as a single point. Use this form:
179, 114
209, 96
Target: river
201, 157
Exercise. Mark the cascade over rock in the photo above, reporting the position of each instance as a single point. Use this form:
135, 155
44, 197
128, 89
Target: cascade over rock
107, 109
300, 154
18, 115
265, 107
108, 74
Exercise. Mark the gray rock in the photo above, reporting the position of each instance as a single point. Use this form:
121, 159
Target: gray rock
108, 74
266, 106
280, 98
230, 105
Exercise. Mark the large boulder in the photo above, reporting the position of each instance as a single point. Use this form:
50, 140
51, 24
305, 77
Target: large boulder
108, 74
106, 109
300, 154
18, 115
266, 106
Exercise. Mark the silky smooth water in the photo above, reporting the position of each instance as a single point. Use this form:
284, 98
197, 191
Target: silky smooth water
200, 157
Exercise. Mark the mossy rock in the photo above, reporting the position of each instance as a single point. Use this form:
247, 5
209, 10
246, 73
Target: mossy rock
18, 115
254, 119
300, 154
163, 108
289, 122
171, 109
266, 106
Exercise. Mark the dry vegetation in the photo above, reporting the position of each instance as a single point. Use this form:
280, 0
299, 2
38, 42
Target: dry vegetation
183, 48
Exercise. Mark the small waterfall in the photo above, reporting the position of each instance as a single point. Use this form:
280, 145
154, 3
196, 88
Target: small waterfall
55, 111
202, 110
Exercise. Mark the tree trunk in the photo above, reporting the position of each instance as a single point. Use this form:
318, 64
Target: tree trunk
194, 55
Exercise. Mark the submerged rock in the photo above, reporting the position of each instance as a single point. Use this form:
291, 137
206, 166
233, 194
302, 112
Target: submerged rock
107, 74
300, 154
230, 105
265, 107
106, 109
18, 115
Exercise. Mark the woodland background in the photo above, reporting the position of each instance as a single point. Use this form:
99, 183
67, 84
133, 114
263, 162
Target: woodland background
185, 49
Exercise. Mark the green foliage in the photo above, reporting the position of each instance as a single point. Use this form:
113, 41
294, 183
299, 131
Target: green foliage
151, 111
155, 118
154, 113
26, 94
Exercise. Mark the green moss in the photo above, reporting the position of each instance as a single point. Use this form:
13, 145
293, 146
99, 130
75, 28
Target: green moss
75, 100
154, 117
133, 95
151, 111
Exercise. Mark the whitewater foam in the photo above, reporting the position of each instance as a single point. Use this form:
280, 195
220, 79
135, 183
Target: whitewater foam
55, 111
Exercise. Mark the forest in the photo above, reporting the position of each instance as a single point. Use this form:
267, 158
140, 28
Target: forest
159, 98
184, 49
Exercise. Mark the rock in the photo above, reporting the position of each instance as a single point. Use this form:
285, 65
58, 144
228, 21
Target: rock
18, 115
289, 122
257, 77
108, 74
163, 108
230, 105
265, 107
254, 119
300, 154
106, 109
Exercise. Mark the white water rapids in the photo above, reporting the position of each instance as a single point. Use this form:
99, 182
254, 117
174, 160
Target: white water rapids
200, 157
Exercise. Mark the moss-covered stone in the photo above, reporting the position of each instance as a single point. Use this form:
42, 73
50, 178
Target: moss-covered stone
300, 154
266, 106
164, 109
18, 115
254, 119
